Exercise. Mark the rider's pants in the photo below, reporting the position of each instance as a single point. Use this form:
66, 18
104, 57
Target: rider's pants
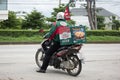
49, 53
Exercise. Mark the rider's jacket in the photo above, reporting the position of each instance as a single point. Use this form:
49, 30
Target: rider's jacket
53, 34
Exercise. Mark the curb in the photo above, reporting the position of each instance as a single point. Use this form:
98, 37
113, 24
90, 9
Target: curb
20, 43
102, 43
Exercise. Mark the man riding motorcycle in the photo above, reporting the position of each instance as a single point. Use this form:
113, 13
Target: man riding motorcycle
54, 37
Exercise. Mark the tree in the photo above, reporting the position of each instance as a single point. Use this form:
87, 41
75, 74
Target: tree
116, 23
34, 20
91, 9
12, 22
100, 22
61, 8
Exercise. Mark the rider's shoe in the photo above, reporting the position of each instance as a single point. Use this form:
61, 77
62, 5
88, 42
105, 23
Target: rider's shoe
41, 71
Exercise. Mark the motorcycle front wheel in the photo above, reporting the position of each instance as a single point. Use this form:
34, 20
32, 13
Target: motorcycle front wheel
39, 57
77, 66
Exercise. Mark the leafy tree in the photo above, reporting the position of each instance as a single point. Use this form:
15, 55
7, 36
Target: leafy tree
11, 23
61, 8
116, 23
34, 20
100, 22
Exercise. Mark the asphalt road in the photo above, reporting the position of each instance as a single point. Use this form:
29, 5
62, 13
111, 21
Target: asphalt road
102, 62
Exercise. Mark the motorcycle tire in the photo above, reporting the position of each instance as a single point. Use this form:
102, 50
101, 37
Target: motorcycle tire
39, 57
78, 63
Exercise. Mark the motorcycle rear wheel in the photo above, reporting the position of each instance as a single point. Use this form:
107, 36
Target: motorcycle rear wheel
39, 57
78, 66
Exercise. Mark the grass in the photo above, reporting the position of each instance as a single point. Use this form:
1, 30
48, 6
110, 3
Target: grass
90, 39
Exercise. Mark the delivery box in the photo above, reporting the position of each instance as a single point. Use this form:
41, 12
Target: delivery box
70, 35
78, 38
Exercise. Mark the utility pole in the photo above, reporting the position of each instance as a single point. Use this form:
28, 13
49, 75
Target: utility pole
59, 3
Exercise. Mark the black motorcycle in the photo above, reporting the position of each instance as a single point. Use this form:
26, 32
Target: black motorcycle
65, 58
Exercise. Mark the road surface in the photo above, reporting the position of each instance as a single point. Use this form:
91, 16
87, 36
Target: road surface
102, 62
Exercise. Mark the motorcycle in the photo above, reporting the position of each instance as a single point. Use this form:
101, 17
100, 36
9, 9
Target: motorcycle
65, 58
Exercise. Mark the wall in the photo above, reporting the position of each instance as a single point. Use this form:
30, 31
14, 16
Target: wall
81, 20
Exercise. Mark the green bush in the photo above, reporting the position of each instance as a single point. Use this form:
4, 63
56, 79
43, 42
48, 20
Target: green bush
36, 36
103, 33
29, 33
18, 33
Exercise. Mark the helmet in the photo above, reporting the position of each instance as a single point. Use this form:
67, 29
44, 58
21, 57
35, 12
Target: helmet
60, 15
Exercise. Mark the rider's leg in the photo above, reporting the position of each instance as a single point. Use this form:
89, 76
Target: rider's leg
48, 55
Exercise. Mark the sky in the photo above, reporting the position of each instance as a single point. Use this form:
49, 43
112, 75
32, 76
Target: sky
46, 6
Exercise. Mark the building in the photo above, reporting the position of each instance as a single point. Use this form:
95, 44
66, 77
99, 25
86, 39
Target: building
81, 18
3, 9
